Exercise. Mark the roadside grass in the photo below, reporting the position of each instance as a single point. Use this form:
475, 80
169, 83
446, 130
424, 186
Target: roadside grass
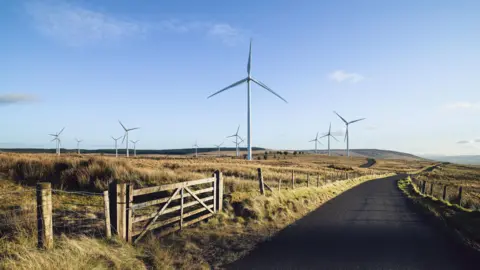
464, 222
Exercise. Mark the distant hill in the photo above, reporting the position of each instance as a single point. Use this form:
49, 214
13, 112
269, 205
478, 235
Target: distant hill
372, 153
466, 160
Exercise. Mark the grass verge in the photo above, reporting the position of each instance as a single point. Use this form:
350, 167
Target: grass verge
463, 223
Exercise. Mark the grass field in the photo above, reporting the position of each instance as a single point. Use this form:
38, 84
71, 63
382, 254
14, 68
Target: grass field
220, 240
454, 176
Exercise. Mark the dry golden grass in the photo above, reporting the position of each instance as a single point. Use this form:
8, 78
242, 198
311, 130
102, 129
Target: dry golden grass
248, 217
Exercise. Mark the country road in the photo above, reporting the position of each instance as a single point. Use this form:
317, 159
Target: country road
372, 226
370, 163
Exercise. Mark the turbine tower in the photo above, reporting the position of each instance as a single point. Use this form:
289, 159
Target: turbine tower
236, 140
78, 145
248, 80
116, 148
237, 145
316, 141
58, 141
196, 148
218, 146
329, 134
126, 136
135, 147
346, 132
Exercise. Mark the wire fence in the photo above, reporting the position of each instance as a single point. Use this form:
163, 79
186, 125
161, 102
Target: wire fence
17, 212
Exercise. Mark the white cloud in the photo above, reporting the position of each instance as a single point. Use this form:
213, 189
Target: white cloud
226, 33
464, 142
79, 26
340, 132
371, 127
6, 99
341, 76
463, 105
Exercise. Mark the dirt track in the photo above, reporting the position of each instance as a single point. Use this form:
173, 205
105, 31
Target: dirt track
372, 226
370, 163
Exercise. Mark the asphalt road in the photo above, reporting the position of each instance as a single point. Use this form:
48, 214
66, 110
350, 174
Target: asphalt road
370, 163
372, 226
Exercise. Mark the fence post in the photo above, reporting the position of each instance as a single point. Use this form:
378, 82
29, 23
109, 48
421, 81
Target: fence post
112, 205
293, 179
318, 180
431, 189
122, 211
444, 192
181, 208
460, 189
308, 180
279, 184
129, 219
106, 208
260, 181
44, 215
219, 179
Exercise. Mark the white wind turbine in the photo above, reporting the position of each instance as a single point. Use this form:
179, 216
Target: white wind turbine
236, 139
316, 141
329, 134
218, 146
346, 132
116, 148
237, 145
249, 79
134, 147
58, 141
78, 145
196, 148
126, 136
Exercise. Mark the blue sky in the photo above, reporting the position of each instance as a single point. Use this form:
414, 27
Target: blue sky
409, 67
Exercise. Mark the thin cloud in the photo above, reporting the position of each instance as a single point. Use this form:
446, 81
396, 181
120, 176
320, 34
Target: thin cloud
7, 99
477, 140
371, 127
463, 142
342, 76
340, 132
463, 105
78, 26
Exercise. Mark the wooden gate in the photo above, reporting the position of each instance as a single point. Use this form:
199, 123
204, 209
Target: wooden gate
166, 208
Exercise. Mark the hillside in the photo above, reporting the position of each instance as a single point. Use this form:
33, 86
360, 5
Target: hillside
466, 160
372, 153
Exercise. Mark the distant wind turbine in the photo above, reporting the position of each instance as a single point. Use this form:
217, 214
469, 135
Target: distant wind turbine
237, 144
236, 139
135, 147
329, 134
116, 148
196, 148
126, 136
58, 141
78, 145
218, 146
249, 79
346, 132
316, 141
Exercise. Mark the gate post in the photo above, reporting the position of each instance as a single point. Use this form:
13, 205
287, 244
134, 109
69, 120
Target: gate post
121, 211
219, 191
260, 181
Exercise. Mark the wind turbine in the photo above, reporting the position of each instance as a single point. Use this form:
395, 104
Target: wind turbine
196, 148
126, 135
78, 145
346, 132
236, 139
218, 145
135, 147
58, 141
237, 144
249, 79
316, 141
329, 134
116, 149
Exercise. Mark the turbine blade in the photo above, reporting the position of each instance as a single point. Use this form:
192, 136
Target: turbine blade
130, 129
123, 140
312, 140
60, 131
316, 138
234, 135
346, 135
122, 125
330, 128
324, 136
249, 65
228, 87
334, 138
54, 135
237, 130
357, 120
268, 89
53, 139
341, 117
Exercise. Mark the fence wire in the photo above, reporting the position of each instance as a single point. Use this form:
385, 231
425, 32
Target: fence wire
17, 212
